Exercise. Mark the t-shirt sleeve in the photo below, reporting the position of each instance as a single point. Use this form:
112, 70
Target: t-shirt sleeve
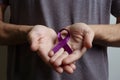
115, 8
6, 2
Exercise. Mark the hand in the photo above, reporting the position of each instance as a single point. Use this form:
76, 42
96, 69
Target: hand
42, 40
81, 39
56, 61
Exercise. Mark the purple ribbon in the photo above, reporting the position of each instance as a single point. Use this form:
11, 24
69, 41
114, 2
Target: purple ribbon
63, 42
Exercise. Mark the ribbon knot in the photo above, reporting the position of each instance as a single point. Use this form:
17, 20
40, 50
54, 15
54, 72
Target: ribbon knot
63, 42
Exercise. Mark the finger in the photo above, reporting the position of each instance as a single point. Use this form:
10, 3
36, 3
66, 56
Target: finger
83, 50
68, 69
59, 60
77, 54
72, 57
51, 53
73, 66
56, 55
59, 69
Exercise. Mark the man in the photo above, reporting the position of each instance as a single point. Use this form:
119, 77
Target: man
112, 38
23, 65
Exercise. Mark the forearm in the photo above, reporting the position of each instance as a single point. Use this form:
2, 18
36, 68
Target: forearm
13, 34
107, 35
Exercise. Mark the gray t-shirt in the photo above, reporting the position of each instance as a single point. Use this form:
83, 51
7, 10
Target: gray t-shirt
23, 64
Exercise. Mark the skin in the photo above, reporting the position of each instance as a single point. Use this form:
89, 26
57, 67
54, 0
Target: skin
110, 36
13, 34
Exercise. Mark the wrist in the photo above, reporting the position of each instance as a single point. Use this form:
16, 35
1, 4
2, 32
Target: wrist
11, 34
24, 31
104, 34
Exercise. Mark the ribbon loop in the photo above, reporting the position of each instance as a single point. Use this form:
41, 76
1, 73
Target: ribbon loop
63, 42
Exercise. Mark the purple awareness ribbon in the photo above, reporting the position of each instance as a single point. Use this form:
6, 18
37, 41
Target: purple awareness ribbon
63, 42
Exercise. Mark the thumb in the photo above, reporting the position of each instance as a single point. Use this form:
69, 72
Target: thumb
34, 41
88, 39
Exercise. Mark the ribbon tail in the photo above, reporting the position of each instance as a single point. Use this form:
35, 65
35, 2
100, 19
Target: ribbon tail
67, 48
58, 46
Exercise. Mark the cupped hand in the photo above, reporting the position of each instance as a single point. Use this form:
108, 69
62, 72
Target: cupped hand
42, 40
80, 40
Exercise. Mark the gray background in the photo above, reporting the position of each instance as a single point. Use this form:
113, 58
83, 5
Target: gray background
113, 56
